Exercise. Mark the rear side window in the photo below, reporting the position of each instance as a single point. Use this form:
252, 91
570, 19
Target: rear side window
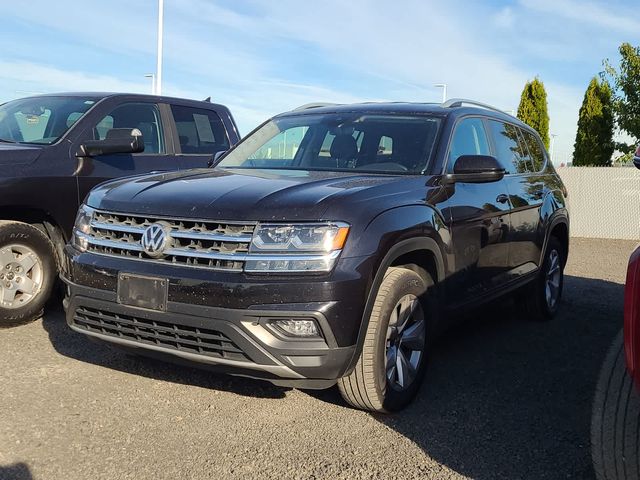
510, 150
469, 138
535, 150
200, 131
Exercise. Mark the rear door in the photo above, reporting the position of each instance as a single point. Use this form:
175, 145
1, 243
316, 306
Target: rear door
200, 135
158, 154
521, 154
479, 220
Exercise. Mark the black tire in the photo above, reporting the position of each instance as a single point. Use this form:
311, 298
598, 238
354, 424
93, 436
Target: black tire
368, 387
23, 234
615, 422
534, 296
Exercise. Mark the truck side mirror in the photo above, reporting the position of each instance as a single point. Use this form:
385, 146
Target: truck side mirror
117, 140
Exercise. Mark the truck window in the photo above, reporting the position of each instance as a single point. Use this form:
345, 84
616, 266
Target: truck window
143, 116
200, 131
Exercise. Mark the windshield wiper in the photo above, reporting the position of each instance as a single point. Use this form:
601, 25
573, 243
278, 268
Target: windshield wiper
4, 140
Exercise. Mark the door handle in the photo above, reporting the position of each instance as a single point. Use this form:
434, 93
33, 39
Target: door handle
502, 198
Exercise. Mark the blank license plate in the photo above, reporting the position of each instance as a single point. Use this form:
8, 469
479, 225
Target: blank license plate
143, 292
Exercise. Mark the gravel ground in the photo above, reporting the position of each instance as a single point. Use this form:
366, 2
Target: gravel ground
503, 398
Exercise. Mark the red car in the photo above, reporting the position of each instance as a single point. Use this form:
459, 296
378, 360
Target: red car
615, 425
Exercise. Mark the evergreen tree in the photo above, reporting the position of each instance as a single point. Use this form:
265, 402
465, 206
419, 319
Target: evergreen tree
626, 95
533, 108
594, 140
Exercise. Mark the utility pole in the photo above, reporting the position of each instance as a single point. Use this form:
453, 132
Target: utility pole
443, 86
158, 78
152, 76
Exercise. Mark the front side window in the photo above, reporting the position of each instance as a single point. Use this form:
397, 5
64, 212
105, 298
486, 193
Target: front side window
41, 120
376, 143
143, 116
510, 150
469, 138
200, 131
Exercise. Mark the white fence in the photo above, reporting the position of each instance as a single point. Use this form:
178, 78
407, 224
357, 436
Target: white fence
604, 202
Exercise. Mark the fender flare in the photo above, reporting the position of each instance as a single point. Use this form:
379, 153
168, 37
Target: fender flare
399, 249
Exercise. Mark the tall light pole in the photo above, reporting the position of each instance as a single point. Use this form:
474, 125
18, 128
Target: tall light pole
553, 141
158, 78
443, 86
152, 76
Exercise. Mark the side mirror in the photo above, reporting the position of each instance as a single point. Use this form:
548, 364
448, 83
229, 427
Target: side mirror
475, 169
118, 140
636, 157
216, 157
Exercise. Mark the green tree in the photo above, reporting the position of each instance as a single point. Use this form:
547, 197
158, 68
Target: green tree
626, 84
533, 108
594, 139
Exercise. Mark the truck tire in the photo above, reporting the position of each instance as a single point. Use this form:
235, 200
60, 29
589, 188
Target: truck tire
27, 272
615, 421
392, 361
542, 297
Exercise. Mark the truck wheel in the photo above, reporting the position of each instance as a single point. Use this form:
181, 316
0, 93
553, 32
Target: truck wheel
27, 272
615, 421
542, 297
391, 364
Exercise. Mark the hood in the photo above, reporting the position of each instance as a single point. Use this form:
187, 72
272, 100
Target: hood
18, 154
262, 195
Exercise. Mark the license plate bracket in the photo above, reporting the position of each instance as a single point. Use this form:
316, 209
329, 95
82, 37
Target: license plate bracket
143, 292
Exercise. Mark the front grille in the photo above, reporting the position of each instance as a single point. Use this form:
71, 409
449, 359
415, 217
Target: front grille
216, 245
200, 341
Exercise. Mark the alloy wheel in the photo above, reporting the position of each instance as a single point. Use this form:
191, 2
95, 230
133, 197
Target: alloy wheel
553, 279
21, 275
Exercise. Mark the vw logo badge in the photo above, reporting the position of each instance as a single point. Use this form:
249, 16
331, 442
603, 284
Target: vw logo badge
154, 240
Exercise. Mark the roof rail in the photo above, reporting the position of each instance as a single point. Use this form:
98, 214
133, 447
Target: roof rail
307, 106
459, 102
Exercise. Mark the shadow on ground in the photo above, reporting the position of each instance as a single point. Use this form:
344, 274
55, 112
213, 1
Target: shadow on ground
16, 471
508, 398
79, 347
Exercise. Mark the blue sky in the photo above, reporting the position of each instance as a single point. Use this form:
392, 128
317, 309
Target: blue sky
262, 57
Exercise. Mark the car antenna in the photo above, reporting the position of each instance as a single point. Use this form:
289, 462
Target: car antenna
208, 99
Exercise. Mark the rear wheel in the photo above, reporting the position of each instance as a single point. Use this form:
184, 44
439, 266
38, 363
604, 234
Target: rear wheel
391, 364
27, 272
542, 298
615, 423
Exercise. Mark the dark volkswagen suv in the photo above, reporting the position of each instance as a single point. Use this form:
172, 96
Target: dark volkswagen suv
328, 246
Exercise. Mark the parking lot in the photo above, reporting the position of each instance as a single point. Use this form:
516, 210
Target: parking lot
503, 398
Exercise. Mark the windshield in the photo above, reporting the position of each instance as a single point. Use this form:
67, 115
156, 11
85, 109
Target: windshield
41, 120
339, 142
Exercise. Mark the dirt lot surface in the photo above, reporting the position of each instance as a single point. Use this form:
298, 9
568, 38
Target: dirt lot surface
503, 398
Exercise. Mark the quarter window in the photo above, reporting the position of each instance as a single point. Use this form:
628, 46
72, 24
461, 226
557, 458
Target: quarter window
143, 116
469, 138
200, 131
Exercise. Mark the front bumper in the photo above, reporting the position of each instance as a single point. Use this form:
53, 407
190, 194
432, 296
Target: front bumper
228, 333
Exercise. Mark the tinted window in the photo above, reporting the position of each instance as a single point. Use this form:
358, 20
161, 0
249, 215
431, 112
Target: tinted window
469, 138
510, 152
200, 131
143, 116
339, 142
535, 150
41, 120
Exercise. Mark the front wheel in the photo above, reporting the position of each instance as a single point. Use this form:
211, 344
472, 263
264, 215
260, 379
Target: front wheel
391, 364
615, 423
27, 272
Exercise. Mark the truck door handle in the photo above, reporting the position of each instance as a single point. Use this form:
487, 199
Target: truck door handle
502, 198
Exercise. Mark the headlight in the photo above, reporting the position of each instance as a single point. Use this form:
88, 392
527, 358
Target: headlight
296, 247
82, 227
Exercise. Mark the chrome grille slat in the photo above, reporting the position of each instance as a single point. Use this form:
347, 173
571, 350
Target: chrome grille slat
200, 243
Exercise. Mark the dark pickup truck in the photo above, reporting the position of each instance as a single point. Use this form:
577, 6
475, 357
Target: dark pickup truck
55, 148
